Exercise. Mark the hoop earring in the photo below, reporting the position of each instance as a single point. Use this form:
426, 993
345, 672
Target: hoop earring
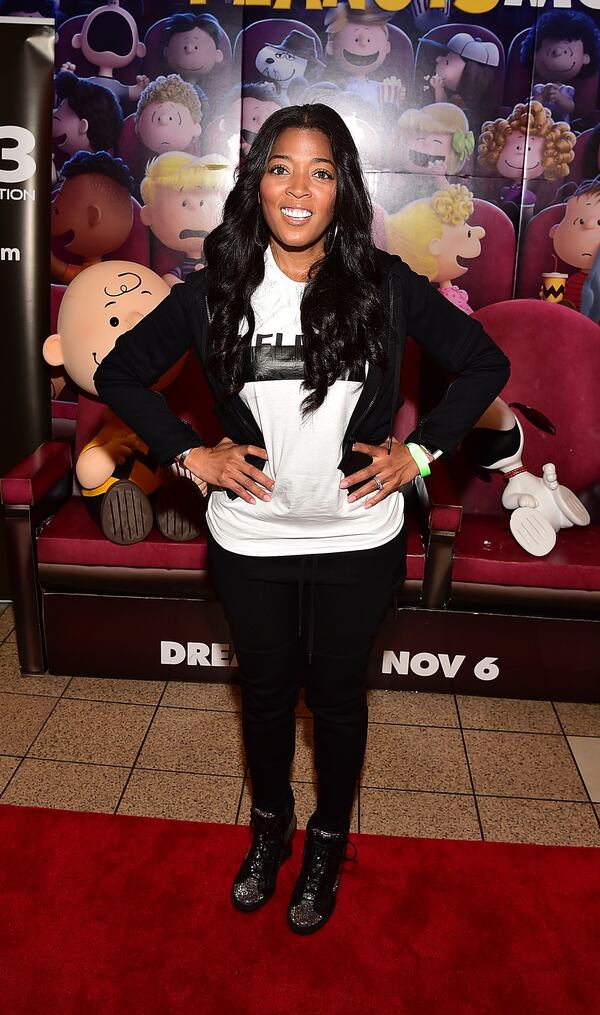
257, 237
329, 243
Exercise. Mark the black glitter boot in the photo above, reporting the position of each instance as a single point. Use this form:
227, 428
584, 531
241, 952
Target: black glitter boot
272, 836
315, 893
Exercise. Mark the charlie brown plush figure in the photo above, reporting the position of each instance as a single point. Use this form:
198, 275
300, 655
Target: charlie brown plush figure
120, 477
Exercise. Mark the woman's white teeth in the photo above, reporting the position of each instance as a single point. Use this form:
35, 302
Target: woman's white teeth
297, 213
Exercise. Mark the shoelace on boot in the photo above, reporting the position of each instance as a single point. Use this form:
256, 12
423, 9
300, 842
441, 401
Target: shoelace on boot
324, 860
263, 853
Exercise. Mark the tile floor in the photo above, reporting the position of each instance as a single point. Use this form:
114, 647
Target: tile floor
441, 765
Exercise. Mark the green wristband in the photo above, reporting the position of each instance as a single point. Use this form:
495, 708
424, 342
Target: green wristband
420, 458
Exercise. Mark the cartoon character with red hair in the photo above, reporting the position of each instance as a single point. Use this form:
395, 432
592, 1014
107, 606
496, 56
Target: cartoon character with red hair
527, 145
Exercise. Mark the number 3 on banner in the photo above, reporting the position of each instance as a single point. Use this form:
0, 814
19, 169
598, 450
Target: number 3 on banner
21, 154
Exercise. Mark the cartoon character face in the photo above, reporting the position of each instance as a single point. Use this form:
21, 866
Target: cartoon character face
450, 66
359, 50
71, 131
521, 157
577, 237
560, 60
457, 241
422, 152
167, 127
193, 52
84, 206
251, 113
181, 219
277, 65
101, 303
109, 38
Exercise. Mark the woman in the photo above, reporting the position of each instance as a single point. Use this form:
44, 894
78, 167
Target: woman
300, 323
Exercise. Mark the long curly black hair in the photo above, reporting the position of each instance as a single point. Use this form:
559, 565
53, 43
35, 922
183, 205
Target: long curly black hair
341, 310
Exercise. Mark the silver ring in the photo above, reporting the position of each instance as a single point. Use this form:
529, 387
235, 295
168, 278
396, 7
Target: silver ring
378, 482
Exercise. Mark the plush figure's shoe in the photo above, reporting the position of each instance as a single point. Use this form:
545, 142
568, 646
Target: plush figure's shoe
256, 880
126, 514
315, 893
179, 510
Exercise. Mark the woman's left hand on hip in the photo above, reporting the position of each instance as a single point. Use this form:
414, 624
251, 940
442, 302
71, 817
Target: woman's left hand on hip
393, 471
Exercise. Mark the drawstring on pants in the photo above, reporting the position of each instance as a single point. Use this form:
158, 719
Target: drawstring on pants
311, 600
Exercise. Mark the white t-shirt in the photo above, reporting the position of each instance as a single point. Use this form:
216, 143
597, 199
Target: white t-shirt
307, 513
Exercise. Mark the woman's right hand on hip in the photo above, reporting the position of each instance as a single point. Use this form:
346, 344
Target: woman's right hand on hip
225, 466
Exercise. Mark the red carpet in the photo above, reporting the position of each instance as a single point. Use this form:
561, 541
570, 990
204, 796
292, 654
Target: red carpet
119, 915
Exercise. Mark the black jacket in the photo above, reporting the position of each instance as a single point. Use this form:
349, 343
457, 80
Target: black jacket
412, 306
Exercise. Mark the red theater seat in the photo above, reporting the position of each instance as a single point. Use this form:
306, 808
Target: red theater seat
549, 606
485, 553
537, 252
133, 153
73, 537
576, 174
490, 280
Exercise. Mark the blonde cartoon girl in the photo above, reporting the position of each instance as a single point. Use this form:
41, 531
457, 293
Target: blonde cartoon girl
525, 146
183, 199
435, 140
432, 233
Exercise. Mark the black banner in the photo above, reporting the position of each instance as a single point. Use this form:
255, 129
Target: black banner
27, 47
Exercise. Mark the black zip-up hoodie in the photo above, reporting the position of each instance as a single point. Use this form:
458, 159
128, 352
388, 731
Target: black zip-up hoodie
412, 307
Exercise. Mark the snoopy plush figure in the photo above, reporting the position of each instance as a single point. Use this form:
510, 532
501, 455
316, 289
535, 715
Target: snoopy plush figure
540, 505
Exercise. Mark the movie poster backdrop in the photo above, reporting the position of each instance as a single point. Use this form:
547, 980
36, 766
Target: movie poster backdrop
477, 121
478, 124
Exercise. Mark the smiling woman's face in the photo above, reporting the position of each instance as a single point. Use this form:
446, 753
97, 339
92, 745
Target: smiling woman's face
298, 189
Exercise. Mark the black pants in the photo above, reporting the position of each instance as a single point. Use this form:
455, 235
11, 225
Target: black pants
306, 620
